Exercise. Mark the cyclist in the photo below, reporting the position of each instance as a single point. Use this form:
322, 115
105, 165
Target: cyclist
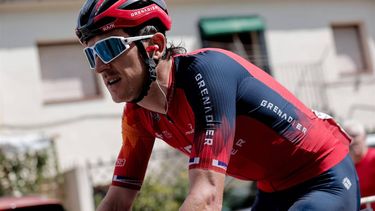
226, 114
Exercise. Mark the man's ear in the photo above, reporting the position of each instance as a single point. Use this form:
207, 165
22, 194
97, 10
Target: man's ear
157, 45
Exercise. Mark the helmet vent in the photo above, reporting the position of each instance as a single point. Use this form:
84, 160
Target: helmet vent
105, 5
86, 12
104, 21
135, 4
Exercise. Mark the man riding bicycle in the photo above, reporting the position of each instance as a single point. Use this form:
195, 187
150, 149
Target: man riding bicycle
245, 124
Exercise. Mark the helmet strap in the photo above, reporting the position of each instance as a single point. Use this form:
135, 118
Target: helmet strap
151, 73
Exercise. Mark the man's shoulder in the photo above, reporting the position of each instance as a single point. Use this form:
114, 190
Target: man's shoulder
204, 53
204, 50
134, 111
206, 60
137, 120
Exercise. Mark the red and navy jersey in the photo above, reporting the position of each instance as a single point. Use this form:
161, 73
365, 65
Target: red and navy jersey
229, 116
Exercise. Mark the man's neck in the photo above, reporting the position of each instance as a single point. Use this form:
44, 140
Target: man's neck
156, 99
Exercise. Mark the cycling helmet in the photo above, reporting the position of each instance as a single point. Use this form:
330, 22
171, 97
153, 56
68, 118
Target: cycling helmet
99, 16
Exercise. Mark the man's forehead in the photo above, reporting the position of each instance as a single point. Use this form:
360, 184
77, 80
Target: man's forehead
115, 32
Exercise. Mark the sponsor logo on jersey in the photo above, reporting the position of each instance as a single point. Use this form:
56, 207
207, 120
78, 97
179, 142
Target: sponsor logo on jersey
207, 107
346, 182
205, 99
188, 148
238, 144
120, 162
191, 130
283, 115
209, 140
234, 151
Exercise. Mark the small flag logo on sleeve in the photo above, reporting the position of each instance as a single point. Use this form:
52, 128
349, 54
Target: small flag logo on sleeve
193, 161
220, 164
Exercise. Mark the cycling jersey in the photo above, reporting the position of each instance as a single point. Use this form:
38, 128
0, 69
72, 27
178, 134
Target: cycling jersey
229, 116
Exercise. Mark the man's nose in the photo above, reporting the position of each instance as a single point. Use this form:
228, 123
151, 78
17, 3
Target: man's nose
99, 65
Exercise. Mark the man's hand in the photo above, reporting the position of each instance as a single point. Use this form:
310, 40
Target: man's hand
118, 199
206, 191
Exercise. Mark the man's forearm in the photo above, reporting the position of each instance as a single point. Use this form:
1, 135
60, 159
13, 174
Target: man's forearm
202, 202
106, 205
206, 191
118, 199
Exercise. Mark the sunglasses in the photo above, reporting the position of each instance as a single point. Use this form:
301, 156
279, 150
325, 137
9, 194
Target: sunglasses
110, 48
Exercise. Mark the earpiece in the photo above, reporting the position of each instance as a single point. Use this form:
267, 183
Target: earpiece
152, 48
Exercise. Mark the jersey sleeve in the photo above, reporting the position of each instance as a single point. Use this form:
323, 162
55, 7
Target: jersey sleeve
210, 88
136, 149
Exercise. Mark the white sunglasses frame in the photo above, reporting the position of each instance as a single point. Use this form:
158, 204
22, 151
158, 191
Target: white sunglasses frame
125, 40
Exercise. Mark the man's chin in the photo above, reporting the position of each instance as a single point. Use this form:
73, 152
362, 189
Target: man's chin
117, 99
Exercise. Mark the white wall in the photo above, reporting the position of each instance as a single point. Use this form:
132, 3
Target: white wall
88, 130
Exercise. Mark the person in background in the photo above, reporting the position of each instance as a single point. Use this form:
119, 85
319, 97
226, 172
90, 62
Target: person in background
363, 157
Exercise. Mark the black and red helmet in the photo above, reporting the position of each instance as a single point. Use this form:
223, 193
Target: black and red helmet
99, 16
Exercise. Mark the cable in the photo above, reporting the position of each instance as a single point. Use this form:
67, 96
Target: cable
165, 97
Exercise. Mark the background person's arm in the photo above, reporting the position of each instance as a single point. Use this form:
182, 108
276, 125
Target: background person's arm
205, 192
118, 199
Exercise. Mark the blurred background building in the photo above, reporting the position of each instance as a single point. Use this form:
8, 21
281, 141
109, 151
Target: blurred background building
323, 51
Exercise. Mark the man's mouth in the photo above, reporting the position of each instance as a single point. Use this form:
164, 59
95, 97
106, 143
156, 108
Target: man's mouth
113, 81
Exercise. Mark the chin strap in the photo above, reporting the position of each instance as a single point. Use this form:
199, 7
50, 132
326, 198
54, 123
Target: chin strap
150, 66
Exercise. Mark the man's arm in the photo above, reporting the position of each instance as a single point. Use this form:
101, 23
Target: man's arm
118, 199
206, 191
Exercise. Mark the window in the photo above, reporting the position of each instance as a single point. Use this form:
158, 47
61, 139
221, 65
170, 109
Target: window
351, 50
243, 35
65, 74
